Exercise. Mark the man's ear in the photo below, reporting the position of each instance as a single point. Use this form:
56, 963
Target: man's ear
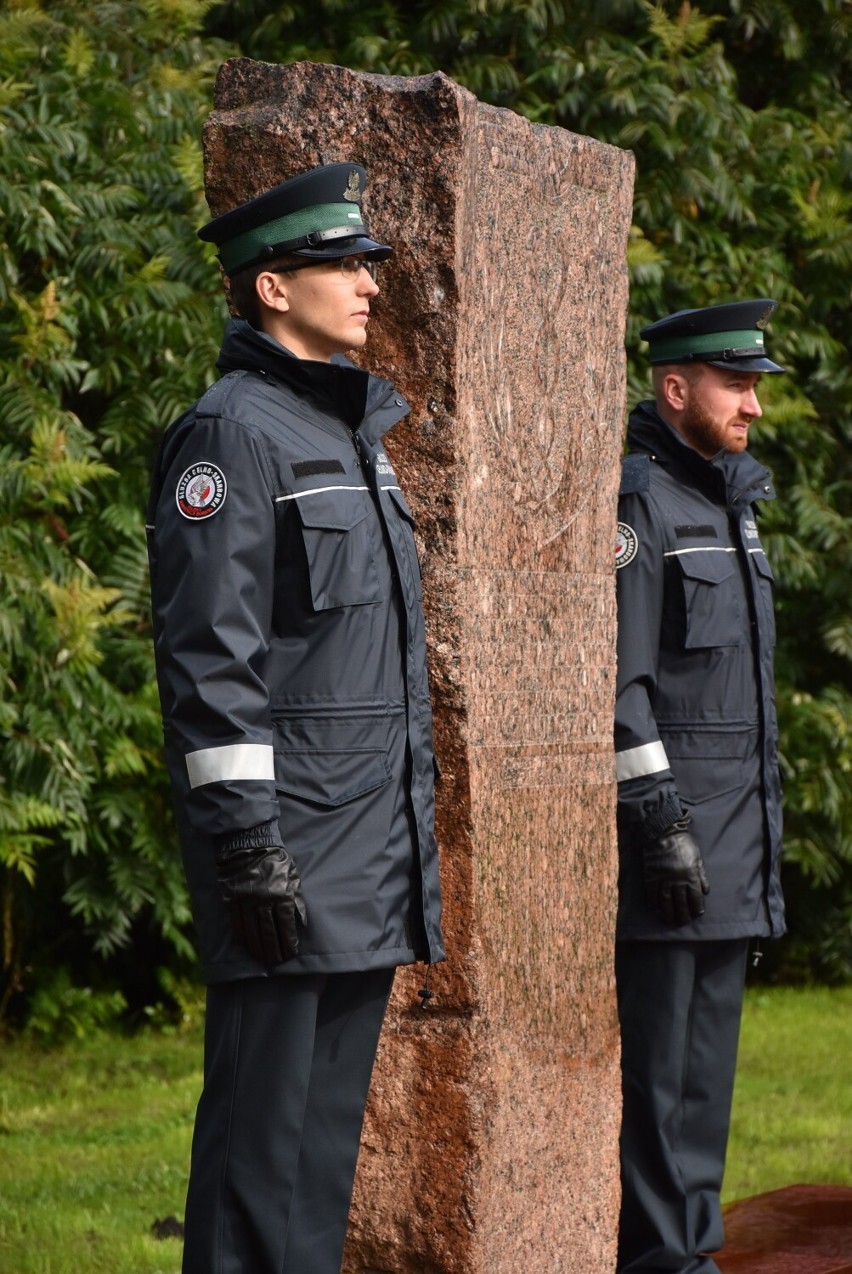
271, 289
674, 390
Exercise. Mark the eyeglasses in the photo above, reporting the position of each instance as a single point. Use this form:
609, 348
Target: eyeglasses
350, 267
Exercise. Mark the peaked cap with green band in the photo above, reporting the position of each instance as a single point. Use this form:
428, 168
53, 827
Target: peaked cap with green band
729, 336
317, 214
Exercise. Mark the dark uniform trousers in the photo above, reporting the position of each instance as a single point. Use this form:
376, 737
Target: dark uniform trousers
287, 1068
679, 1005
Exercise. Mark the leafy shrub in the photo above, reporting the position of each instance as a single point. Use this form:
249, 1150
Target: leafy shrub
61, 1011
109, 323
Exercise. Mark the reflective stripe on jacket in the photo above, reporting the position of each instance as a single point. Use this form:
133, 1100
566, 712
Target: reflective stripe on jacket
696, 727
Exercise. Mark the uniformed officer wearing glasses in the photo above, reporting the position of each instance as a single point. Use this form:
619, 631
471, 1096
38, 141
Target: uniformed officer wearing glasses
291, 662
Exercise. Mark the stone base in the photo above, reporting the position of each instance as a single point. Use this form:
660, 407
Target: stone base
799, 1230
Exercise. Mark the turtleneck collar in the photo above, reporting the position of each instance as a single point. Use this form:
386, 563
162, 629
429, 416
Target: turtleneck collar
339, 385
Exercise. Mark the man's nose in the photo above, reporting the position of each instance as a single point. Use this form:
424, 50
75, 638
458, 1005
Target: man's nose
367, 285
751, 406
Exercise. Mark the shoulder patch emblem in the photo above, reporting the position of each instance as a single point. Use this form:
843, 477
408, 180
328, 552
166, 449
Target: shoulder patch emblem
201, 491
626, 545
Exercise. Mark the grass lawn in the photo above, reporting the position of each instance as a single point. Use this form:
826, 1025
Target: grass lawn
94, 1147
792, 1117
94, 1137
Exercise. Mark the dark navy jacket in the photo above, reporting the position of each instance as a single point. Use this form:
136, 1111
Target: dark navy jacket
696, 727
291, 655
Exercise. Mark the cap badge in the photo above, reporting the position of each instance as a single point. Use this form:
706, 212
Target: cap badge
353, 188
765, 317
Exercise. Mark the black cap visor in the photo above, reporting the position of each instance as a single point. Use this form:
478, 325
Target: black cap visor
348, 246
329, 247
747, 364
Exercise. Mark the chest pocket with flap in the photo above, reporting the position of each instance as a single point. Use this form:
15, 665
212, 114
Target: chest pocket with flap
712, 599
339, 530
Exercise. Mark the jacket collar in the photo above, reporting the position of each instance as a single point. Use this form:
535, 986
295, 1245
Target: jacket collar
364, 402
732, 480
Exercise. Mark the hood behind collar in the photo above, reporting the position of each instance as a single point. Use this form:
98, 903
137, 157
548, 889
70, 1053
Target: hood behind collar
732, 474
349, 391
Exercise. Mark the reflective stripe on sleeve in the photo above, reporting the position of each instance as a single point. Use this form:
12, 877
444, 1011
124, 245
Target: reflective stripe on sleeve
650, 758
235, 761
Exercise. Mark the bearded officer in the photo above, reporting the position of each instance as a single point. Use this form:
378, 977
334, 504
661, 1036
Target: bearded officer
699, 801
291, 662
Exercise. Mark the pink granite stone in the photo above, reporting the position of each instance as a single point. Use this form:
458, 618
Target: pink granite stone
490, 1144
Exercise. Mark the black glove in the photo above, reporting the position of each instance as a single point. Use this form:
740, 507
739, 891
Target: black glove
675, 883
263, 894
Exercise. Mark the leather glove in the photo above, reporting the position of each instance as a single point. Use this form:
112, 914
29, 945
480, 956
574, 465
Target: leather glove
675, 882
263, 894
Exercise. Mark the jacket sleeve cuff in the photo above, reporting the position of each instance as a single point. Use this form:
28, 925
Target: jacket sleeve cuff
263, 836
658, 818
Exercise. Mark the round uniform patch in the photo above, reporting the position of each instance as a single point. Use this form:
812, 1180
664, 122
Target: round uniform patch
201, 491
626, 545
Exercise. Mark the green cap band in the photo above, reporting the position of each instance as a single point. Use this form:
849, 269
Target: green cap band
250, 245
705, 343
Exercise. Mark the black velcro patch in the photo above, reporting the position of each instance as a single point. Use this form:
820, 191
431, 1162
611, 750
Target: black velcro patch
310, 468
635, 474
696, 532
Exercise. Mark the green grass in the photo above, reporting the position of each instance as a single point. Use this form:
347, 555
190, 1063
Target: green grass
792, 1116
94, 1137
94, 1147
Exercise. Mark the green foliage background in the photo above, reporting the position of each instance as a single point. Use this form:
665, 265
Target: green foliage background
110, 316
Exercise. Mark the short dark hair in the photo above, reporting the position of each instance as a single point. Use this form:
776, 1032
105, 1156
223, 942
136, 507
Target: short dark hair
243, 294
